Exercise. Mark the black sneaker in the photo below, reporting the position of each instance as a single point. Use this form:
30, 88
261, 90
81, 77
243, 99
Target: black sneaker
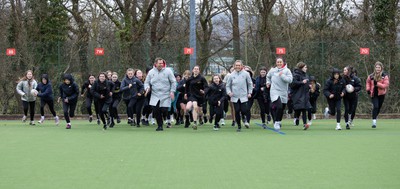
118, 120
138, 125
90, 119
108, 121
159, 129
233, 123
211, 119
187, 124
373, 126
168, 125
145, 122
105, 126
205, 119
347, 126
112, 125
98, 121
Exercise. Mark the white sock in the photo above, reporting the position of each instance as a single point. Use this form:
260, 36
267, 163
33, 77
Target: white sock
374, 122
338, 124
42, 117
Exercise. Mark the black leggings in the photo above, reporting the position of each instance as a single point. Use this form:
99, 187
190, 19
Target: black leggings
335, 108
303, 115
138, 109
377, 102
31, 106
159, 113
264, 107
51, 107
69, 110
88, 103
353, 114
218, 111
241, 108
130, 104
114, 108
103, 106
350, 105
277, 109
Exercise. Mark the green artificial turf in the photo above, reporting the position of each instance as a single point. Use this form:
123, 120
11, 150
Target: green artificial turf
48, 156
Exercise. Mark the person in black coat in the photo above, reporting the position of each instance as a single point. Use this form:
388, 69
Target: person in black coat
300, 93
349, 98
69, 92
262, 95
334, 90
46, 97
116, 99
89, 98
314, 94
102, 90
216, 94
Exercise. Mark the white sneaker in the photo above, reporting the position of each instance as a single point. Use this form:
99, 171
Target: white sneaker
309, 123
222, 122
277, 126
351, 123
41, 120
338, 127
314, 117
23, 118
57, 120
326, 113
247, 125
152, 121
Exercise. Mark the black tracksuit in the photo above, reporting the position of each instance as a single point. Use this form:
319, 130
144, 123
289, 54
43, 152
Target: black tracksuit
70, 92
101, 92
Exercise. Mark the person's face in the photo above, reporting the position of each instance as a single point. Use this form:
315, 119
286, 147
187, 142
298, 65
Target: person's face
186, 75
279, 63
102, 77
44, 81
196, 70
139, 75
114, 78
263, 73
129, 74
216, 79
160, 64
378, 69
29, 75
238, 66
67, 81
178, 78
336, 75
345, 71
92, 79
109, 75
304, 69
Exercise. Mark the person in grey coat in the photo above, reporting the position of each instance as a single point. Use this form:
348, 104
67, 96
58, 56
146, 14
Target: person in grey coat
25, 88
161, 83
278, 80
239, 87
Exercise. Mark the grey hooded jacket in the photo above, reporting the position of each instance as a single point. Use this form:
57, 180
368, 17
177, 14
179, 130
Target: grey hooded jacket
24, 90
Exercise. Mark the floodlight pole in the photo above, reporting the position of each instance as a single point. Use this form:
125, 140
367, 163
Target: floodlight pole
192, 34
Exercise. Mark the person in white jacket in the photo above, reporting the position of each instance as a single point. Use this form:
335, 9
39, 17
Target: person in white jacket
26, 87
239, 87
161, 83
278, 80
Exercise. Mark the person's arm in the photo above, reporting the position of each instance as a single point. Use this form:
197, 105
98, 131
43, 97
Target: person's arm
384, 84
287, 77
249, 83
47, 92
94, 91
19, 88
76, 91
357, 85
326, 90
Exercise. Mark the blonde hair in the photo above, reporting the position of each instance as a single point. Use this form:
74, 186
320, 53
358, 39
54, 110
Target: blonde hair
378, 76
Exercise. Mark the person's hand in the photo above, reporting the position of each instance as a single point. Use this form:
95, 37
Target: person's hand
82, 95
130, 85
171, 94
305, 81
268, 85
101, 96
66, 100
280, 73
59, 99
90, 86
110, 93
139, 94
331, 96
230, 94
342, 94
185, 96
248, 95
219, 103
201, 91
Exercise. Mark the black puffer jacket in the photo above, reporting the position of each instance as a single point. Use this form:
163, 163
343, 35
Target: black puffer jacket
334, 87
102, 88
70, 91
300, 91
215, 93
356, 82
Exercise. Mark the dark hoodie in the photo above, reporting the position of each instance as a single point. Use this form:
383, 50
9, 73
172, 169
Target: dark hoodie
45, 90
70, 91
334, 88
300, 91
216, 92
137, 87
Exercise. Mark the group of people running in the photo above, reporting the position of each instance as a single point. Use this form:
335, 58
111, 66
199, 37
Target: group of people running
163, 95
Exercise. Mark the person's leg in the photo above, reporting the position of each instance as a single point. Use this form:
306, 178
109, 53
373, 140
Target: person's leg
32, 110
262, 106
51, 107
158, 116
65, 111
346, 103
102, 112
88, 104
72, 108
139, 107
25, 105
42, 104
195, 113
237, 113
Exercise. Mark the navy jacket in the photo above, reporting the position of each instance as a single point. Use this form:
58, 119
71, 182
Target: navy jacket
45, 90
70, 91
